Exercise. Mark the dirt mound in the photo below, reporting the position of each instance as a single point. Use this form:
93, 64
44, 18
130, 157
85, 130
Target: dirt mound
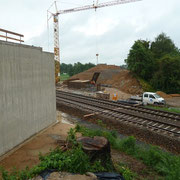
99, 68
115, 76
163, 94
125, 81
175, 95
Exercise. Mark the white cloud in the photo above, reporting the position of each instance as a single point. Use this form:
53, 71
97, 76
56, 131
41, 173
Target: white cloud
117, 27
96, 27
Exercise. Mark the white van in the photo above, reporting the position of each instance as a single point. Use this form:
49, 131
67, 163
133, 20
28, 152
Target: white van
152, 98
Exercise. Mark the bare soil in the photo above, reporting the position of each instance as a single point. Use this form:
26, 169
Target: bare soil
126, 82
174, 101
123, 83
141, 133
171, 99
163, 94
28, 153
119, 94
112, 75
133, 164
99, 68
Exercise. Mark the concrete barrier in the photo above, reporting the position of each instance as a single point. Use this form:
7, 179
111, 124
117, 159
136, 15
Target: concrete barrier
27, 93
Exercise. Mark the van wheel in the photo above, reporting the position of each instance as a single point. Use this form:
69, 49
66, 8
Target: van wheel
156, 103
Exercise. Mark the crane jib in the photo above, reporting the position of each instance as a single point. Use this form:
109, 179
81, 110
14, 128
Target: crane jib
101, 5
83, 8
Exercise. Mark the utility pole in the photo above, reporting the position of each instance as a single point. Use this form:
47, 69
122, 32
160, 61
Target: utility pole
97, 55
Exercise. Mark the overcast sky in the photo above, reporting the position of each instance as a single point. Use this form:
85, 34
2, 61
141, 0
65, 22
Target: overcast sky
110, 31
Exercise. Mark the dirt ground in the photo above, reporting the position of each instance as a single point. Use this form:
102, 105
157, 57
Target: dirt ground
142, 171
27, 154
119, 94
171, 101
174, 101
112, 75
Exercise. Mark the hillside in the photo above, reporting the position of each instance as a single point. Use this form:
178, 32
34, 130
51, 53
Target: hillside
114, 76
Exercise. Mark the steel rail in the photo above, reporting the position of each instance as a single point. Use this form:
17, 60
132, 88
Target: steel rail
121, 115
157, 113
121, 110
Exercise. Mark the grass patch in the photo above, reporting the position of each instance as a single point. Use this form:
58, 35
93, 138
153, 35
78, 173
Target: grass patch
73, 161
165, 164
125, 171
64, 77
76, 161
169, 109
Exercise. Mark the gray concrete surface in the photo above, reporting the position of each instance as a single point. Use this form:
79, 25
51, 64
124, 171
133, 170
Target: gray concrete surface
27, 93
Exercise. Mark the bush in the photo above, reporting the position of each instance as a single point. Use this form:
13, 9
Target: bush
76, 161
128, 145
162, 162
126, 172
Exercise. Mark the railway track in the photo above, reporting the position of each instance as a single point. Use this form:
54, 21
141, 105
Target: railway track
155, 120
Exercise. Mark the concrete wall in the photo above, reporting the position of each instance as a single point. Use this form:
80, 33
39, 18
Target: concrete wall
27, 93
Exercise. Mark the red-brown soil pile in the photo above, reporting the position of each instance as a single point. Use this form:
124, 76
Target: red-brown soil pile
99, 68
175, 95
163, 94
125, 82
115, 76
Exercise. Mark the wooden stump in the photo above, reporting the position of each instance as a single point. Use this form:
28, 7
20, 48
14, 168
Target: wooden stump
97, 148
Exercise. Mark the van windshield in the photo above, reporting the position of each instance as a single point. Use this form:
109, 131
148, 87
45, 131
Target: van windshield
157, 96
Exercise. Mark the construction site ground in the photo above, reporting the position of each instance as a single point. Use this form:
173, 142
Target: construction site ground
111, 91
173, 101
27, 154
170, 100
114, 76
121, 81
123, 84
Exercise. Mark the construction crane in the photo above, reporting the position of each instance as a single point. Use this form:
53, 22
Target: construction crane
66, 11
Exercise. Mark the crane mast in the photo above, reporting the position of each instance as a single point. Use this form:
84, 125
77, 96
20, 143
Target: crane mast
83, 8
56, 39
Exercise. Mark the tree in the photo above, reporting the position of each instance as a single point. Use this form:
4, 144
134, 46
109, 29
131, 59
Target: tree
163, 45
157, 62
124, 66
70, 69
140, 59
167, 78
64, 68
76, 68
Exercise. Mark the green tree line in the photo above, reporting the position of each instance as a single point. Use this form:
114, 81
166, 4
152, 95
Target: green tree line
156, 62
75, 68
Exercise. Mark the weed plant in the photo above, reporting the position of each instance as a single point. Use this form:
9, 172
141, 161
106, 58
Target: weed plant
164, 163
169, 109
126, 172
76, 161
